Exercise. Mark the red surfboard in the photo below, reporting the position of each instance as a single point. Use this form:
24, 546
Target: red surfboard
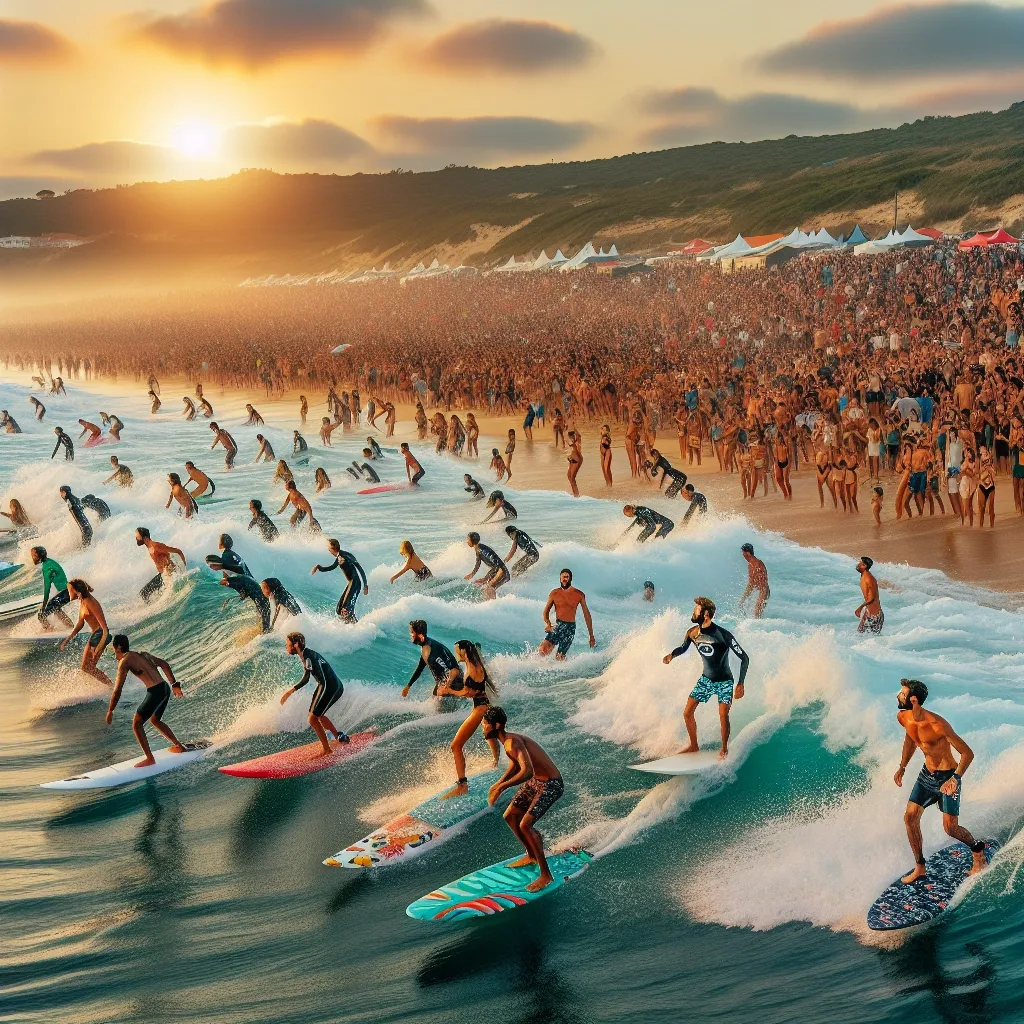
384, 487
287, 764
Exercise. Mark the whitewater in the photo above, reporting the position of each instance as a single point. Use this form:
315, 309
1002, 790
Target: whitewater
737, 894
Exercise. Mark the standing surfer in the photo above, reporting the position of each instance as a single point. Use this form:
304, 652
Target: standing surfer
565, 599
328, 689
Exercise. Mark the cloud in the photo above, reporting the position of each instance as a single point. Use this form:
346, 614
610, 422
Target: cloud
129, 160
305, 145
257, 33
502, 46
482, 137
26, 42
907, 41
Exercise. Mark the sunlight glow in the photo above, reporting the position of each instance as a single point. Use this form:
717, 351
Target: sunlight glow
195, 139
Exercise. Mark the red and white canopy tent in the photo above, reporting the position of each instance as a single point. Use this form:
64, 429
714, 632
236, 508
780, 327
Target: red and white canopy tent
983, 239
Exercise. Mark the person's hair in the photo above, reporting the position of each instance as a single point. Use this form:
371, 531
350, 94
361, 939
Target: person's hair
367, 452
419, 627
120, 642
879, 491
213, 425
688, 487
748, 547
297, 639
188, 465
706, 604
648, 585
333, 542
628, 510
290, 486
272, 583
915, 688
510, 530
80, 586
321, 475
474, 538
494, 452
868, 562
566, 570
475, 658
495, 715
143, 532
256, 504
406, 548
225, 539
404, 446
65, 491
40, 551
175, 479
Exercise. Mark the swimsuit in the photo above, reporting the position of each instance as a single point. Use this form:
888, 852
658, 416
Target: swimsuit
926, 791
706, 688
329, 686
95, 637
562, 635
423, 573
155, 701
918, 482
536, 796
872, 623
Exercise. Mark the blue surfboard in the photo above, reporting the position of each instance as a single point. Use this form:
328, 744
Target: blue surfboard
497, 888
903, 906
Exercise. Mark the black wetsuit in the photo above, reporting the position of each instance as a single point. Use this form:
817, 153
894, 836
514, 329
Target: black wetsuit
98, 505
246, 586
228, 561
69, 447
662, 464
528, 546
282, 597
353, 571
299, 445
328, 686
678, 478
439, 660
714, 644
78, 514
375, 448
474, 490
497, 570
652, 521
266, 526
508, 508
698, 503
368, 472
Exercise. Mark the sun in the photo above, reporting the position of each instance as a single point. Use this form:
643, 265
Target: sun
197, 140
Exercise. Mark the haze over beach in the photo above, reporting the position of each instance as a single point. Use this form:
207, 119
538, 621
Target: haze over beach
418, 417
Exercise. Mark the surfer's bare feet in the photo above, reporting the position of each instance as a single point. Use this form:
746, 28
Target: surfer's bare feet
177, 749
980, 863
460, 789
145, 762
691, 749
918, 872
541, 883
524, 862
723, 753
322, 752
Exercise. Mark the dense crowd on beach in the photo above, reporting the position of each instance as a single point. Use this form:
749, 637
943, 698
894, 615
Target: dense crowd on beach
900, 369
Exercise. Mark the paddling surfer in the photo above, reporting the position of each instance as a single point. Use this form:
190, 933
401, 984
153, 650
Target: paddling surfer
939, 781
90, 613
147, 668
565, 599
328, 689
540, 785
161, 555
713, 644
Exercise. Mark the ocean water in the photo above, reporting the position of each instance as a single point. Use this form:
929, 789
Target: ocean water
736, 896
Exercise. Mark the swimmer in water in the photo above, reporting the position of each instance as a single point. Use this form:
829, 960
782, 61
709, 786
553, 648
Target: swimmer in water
65, 440
303, 509
565, 599
114, 426
353, 572
122, 474
433, 655
9, 423
413, 563
497, 502
55, 579
654, 524
17, 514
648, 590
281, 598
181, 496
521, 541
40, 409
78, 514
757, 579
161, 555
262, 522
266, 451
91, 429
255, 419
328, 689
228, 560
248, 589
222, 437
414, 471
90, 614
146, 668
203, 483
190, 408
299, 442
472, 488
497, 572
322, 480
540, 785
713, 644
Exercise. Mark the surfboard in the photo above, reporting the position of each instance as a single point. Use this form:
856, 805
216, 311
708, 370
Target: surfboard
903, 906
99, 439
19, 609
494, 889
423, 828
682, 764
380, 488
204, 500
287, 764
301, 460
8, 569
125, 771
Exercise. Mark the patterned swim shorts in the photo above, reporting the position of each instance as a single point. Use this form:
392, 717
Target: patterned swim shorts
872, 623
708, 688
562, 636
536, 796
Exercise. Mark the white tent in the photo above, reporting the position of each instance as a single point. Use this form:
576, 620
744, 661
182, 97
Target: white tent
915, 238
556, 261
739, 246
541, 261
580, 258
613, 251
511, 266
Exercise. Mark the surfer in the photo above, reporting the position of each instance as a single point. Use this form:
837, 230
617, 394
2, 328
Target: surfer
248, 589
90, 614
497, 572
347, 563
472, 488
326, 429
648, 590
9, 423
40, 409
17, 514
294, 497
266, 451
698, 503
757, 579
204, 407
183, 497
53, 577
161, 555
299, 444
521, 541
328, 689
496, 502
262, 522
378, 452
540, 785
433, 655
322, 480
147, 668
276, 592
122, 474
413, 470
91, 429
69, 445
228, 560
255, 419
78, 514
869, 611
222, 437
564, 599
654, 523
200, 479
476, 686
713, 644
97, 505
189, 412
939, 781
413, 563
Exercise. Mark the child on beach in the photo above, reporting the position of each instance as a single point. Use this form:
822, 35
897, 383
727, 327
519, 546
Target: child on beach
876, 506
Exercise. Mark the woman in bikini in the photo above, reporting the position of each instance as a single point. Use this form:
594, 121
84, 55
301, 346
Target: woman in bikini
575, 459
968, 485
606, 454
782, 444
823, 471
413, 563
472, 436
986, 490
850, 480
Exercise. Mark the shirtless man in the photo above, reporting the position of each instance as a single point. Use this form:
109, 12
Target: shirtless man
540, 785
224, 438
181, 496
565, 599
122, 474
919, 473
89, 428
939, 781
161, 555
413, 470
326, 429
147, 668
266, 452
90, 614
303, 509
869, 611
200, 479
757, 579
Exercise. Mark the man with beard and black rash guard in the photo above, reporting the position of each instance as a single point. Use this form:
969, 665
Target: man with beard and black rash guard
247, 587
328, 689
472, 488
228, 560
65, 440
353, 571
497, 572
654, 523
262, 522
521, 541
713, 643
443, 665
78, 514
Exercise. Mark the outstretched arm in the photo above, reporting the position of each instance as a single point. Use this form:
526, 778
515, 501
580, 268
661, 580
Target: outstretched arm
589, 621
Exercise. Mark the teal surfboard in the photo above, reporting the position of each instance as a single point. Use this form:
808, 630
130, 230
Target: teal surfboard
494, 889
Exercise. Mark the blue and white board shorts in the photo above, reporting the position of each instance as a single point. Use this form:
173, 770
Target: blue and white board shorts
708, 688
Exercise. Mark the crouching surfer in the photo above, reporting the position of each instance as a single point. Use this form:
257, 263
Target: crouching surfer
328, 689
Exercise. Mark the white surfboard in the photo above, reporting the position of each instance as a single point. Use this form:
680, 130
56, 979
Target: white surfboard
18, 609
124, 772
682, 764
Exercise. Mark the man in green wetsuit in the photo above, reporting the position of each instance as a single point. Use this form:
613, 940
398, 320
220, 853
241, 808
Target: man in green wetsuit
55, 578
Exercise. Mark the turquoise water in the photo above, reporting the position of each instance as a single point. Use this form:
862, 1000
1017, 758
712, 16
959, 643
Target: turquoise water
734, 897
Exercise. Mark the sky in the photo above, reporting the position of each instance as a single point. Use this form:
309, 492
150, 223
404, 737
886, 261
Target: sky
104, 92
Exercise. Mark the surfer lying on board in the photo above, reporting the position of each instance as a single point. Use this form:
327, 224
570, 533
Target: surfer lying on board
565, 600
90, 614
713, 644
435, 656
477, 687
939, 780
328, 689
540, 785
147, 668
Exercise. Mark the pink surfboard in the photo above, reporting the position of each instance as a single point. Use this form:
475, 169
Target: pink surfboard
384, 487
287, 764
99, 439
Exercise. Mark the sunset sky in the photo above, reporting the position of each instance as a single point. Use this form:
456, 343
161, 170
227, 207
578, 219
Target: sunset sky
100, 92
